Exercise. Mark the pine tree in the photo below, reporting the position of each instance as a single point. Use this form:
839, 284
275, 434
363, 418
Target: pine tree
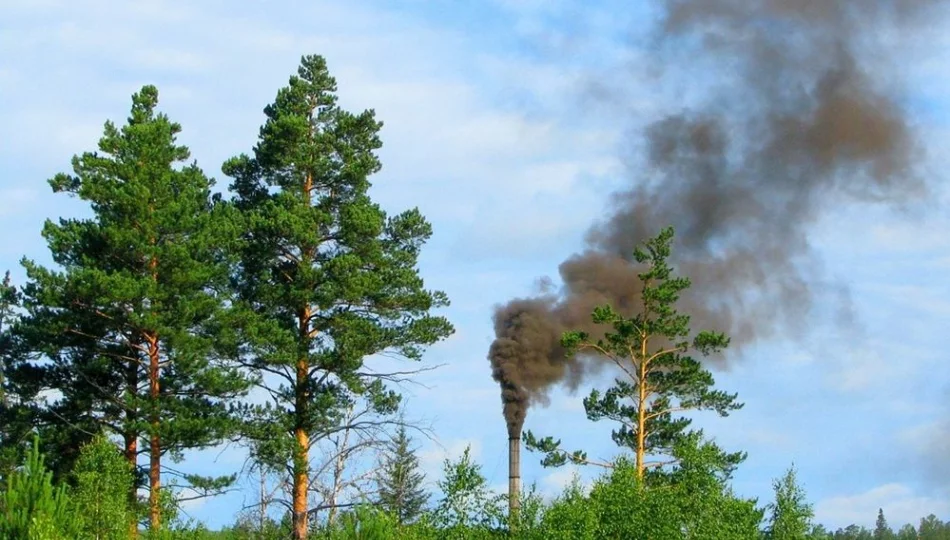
9, 299
130, 330
400, 481
659, 378
791, 514
327, 278
31, 506
12, 428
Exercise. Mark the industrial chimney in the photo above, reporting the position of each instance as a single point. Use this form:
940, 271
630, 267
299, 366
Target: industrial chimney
514, 474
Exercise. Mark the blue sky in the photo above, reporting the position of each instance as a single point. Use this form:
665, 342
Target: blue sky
488, 132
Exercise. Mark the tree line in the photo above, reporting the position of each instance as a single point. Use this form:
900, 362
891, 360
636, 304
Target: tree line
177, 319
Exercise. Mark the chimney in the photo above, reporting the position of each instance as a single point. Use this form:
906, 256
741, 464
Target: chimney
514, 477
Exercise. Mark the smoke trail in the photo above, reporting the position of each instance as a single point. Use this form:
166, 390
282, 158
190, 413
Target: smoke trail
805, 126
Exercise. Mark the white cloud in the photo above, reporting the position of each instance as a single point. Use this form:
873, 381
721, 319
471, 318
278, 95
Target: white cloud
900, 504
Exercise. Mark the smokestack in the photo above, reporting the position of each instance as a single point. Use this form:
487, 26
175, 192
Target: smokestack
514, 478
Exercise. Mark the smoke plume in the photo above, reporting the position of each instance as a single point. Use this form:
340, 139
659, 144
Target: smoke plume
803, 118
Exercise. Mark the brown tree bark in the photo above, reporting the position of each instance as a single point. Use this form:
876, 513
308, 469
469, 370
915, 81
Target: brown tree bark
642, 409
301, 459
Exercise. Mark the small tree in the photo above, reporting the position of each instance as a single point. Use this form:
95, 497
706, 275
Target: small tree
103, 479
31, 507
400, 481
467, 501
658, 378
790, 514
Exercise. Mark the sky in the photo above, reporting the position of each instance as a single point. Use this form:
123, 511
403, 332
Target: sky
493, 128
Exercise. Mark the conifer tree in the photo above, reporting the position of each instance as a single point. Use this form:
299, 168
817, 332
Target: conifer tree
659, 379
130, 329
10, 428
400, 481
327, 277
882, 531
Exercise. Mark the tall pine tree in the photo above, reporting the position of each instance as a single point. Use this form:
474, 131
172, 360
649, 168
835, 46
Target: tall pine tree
327, 277
659, 379
400, 481
128, 331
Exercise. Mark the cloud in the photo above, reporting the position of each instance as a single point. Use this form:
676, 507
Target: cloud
900, 504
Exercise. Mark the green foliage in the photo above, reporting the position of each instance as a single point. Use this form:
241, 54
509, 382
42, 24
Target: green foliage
102, 479
907, 532
325, 277
882, 531
140, 297
400, 482
31, 507
692, 501
650, 348
467, 503
931, 528
790, 514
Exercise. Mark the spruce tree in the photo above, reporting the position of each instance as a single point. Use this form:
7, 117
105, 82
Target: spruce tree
130, 330
400, 481
882, 531
659, 379
326, 276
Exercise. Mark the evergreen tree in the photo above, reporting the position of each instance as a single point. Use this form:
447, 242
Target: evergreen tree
326, 277
31, 506
15, 421
660, 379
9, 299
791, 514
400, 481
130, 329
882, 531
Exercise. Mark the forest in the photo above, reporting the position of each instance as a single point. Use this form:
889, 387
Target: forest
177, 319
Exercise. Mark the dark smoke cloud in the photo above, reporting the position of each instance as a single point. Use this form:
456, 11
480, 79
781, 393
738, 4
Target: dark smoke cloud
806, 121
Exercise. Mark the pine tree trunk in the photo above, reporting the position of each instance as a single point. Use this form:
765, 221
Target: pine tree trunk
301, 479
642, 409
302, 453
155, 448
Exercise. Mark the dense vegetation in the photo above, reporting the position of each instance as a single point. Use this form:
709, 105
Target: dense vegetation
171, 312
